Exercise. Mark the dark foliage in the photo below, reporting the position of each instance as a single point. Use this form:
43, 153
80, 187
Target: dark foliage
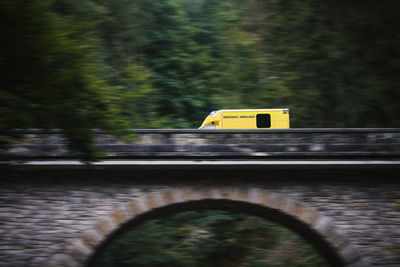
120, 64
209, 238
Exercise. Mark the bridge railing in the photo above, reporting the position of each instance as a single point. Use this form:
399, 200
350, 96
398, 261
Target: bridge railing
235, 144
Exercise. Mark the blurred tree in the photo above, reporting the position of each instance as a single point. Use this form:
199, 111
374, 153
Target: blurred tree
54, 75
241, 75
122, 27
49, 79
78, 65
179, 64
124, 30
338, 59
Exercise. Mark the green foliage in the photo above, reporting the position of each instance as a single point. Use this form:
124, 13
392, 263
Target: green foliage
50, 79
209, 238
53, 68
337, 58
120, 64
179, 64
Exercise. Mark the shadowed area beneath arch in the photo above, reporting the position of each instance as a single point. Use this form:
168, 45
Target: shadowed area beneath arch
273, 215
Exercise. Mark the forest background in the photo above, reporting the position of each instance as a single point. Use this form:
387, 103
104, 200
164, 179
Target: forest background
79, 65
120, 64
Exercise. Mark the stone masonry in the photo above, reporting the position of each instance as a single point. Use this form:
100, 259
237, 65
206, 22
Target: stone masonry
41, 221
61, 216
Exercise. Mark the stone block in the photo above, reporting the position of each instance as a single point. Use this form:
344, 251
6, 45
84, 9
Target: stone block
272, 200
309, 216
349, 254
216, 192
118, 217
79, 251
138, 205
173, 195
202, 192
226, 192
154, 200
336, 239
240, 193
255, 195
295, 209
189, 194
92, 238
323, 225
106, 226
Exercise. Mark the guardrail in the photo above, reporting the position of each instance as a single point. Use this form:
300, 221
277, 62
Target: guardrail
317, 143
266, 131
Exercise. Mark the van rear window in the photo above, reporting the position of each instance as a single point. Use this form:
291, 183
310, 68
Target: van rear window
263, 121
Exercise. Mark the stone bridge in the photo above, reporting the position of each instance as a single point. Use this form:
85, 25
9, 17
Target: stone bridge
338, 188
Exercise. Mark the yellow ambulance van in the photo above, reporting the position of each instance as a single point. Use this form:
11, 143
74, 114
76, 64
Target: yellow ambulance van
247, 119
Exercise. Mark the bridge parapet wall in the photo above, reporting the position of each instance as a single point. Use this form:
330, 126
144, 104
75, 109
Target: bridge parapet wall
224, 143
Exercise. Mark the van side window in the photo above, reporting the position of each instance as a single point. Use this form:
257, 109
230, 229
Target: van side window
263, 121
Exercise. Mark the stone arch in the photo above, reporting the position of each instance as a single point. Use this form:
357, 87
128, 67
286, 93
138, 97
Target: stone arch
313, 226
